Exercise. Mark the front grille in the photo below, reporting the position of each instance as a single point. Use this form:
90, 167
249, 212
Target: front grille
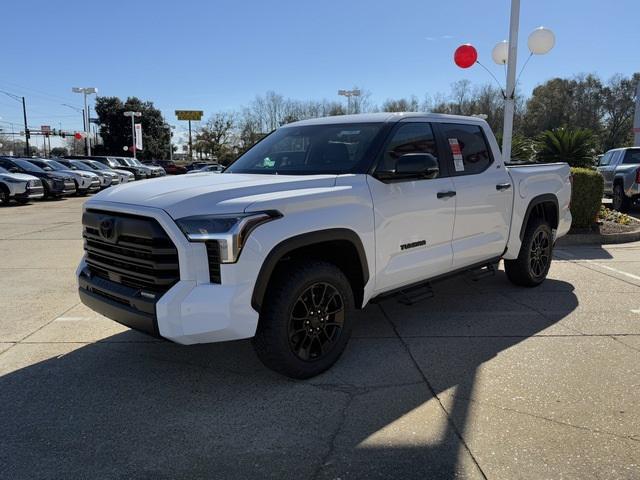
213, 255
130, 250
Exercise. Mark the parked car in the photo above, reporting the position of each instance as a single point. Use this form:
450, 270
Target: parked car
123, 175
19, 187
620, 169
139, 173
107, 178
86, 182
154, 170
208, 169
139, 169
313, 222
55, 184
198, 165
171, 167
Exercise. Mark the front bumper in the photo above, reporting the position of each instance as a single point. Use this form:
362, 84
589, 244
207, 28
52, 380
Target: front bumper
68, 187
193, 310
31, 193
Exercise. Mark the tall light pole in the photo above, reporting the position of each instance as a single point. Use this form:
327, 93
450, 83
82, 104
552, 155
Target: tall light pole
171, 128
86, 91
509, 100
349, 94
133, 116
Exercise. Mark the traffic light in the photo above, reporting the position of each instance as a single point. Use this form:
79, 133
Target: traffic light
27, 134
62, 134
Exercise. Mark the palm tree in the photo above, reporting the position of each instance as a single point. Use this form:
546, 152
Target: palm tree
566, 145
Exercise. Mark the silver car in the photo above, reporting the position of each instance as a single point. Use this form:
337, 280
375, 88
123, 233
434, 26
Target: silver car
620, 169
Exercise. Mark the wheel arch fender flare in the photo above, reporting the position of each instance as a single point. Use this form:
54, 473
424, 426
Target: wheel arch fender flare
535, 201
296, 242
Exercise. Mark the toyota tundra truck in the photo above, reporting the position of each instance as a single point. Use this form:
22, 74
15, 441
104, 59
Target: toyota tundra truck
315, 221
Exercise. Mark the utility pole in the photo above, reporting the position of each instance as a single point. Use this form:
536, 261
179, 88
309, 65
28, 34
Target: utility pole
509, 102
190, 145
26, 128
636, 119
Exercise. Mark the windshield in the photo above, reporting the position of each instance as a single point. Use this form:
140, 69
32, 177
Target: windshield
97, 165
28, 166
56, 165
309, 150
81, 166
133, 162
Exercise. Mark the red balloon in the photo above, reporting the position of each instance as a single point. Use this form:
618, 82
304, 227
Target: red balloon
465, 55
78, 136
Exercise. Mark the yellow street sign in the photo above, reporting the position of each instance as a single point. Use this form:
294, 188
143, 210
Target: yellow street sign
195, 115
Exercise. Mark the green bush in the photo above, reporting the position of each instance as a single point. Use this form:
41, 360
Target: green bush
566, 145
586, 196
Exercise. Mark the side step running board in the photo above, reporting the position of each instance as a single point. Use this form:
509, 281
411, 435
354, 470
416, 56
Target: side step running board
416, 294
486, 271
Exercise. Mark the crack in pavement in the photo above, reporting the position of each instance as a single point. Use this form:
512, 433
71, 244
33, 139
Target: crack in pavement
452, 424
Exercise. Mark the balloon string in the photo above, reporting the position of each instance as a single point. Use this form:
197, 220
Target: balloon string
522, 70
494, 77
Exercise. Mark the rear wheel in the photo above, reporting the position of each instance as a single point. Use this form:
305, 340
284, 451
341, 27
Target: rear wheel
306, 320
4, 195
532, 265
620, 201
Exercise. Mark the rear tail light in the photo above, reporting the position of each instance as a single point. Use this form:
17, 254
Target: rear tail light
638, 175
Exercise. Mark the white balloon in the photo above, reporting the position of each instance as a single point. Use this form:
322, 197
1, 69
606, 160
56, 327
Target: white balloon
500, 53
541, 41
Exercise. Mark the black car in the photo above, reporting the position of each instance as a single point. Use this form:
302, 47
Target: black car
56, 184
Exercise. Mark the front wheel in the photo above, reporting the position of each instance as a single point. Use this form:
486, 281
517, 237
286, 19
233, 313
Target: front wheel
306, 320
532, 265
620, 201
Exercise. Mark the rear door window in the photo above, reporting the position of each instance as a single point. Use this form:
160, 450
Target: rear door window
632, 156
469, 148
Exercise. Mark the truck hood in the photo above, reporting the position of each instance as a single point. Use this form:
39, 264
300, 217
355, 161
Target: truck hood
203, 193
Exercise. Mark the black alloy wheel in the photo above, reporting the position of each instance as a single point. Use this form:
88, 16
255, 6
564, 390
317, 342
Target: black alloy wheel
540, 255
316, 321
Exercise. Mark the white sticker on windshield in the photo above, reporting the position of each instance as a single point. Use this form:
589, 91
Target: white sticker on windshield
458, 161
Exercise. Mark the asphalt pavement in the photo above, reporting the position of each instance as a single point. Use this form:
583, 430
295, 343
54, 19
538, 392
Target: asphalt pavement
485, 380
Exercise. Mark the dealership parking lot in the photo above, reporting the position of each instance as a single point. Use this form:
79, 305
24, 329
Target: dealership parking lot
485, 380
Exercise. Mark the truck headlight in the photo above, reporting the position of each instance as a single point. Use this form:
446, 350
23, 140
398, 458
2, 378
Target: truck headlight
229, 231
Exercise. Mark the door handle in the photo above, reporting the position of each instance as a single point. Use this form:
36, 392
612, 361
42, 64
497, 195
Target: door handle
503, 186
448, 194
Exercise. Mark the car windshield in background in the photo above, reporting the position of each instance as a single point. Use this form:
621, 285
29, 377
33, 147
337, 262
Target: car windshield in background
56, 166
632, 156
97, 165
80, 166
28, 166
309, 150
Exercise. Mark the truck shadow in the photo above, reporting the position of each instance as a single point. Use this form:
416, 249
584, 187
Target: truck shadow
129, 406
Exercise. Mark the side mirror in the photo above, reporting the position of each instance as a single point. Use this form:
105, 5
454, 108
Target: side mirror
14, 170
412, 165
422, 165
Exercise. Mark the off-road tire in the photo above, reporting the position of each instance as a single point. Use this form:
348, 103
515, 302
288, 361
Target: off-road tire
621, 202
273, 341
526, 270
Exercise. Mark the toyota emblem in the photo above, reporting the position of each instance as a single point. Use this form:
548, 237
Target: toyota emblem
107, 228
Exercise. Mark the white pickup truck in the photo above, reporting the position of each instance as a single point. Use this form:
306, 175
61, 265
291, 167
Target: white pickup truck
314, 221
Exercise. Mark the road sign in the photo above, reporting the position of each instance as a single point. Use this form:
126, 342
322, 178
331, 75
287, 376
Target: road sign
45, 129
195, 115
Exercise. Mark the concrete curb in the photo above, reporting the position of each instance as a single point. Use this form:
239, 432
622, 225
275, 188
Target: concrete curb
598, 238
